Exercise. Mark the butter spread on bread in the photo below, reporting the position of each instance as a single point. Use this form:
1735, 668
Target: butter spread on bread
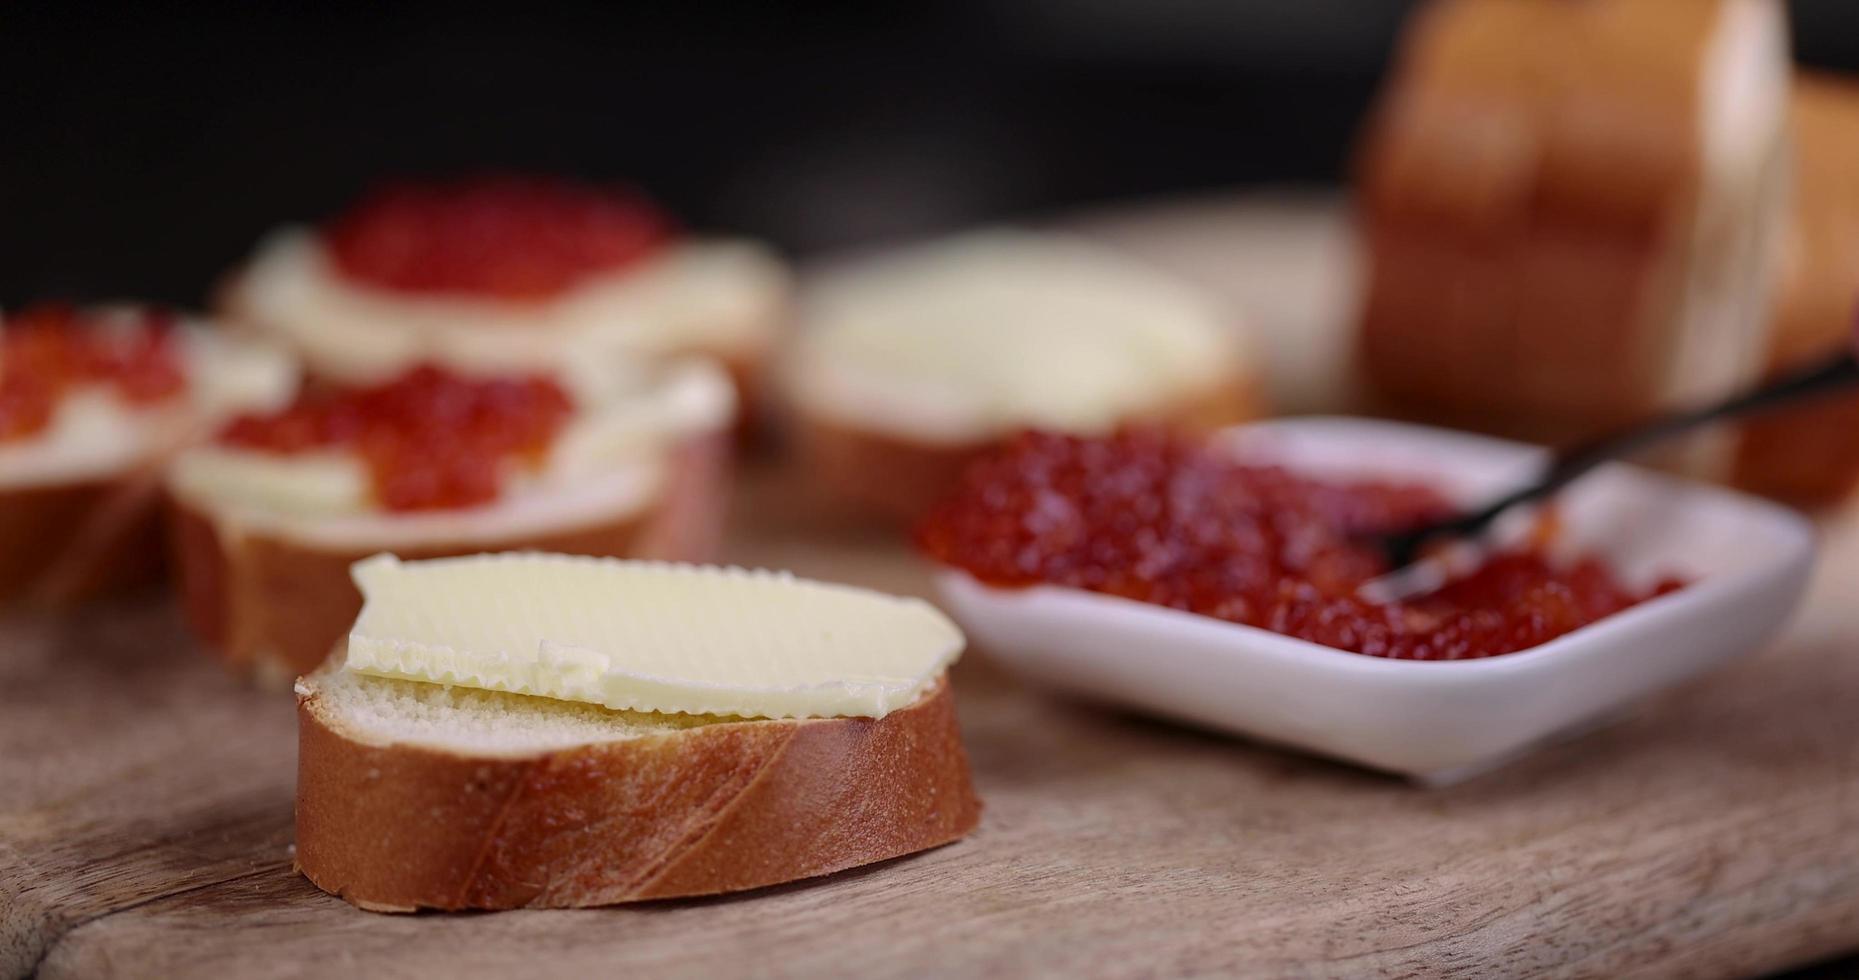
413, 794
719, 297
983, 334
648, 636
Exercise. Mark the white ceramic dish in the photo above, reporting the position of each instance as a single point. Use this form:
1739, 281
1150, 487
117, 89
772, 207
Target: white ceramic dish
1437, 721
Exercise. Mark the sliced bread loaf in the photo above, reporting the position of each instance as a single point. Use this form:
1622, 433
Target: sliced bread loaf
1573, 212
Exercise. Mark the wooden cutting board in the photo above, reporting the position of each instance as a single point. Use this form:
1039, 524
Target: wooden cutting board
145, 830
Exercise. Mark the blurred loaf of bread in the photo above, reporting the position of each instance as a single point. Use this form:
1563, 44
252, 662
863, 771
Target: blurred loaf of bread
1573, 212
1811, 454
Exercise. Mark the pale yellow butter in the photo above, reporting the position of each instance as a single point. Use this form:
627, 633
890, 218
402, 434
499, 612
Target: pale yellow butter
695, 295
648, 636
988, 332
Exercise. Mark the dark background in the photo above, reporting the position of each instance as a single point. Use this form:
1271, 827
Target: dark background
144, 149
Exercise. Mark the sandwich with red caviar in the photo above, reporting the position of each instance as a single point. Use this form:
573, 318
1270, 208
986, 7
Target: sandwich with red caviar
487, 275
93, 403
614, 460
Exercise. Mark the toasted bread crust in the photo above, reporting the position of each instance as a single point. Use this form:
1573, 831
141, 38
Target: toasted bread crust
64, 543
278, 605
877, 474
701, 811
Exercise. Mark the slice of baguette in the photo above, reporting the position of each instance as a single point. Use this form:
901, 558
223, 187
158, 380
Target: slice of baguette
67, 542
415, 795
1573, 212
275, 603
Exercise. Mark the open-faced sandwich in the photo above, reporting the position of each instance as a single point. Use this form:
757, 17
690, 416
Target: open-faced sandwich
911, 364
613, 460
500, 274
511, 731
93, 403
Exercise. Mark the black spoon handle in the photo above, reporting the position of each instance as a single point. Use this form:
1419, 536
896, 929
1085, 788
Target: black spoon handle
1566, 465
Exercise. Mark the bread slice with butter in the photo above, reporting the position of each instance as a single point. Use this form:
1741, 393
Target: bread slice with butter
546, 731
912, 364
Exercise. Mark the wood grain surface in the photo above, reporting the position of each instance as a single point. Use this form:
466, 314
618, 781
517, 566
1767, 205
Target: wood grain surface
145, 830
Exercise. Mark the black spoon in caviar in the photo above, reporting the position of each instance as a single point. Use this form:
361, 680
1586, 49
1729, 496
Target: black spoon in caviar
1408, 575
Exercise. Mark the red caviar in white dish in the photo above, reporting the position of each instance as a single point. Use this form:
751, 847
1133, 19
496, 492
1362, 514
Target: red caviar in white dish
1171, 522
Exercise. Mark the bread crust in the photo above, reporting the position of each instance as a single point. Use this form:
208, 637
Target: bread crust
64, 543
1809, 454
1500, 112
1532, 189
874, 474
701, 811
276, 606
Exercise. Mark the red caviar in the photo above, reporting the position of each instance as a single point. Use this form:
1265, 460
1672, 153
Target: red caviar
510, 238
50, 348
431, 440
1173, 523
